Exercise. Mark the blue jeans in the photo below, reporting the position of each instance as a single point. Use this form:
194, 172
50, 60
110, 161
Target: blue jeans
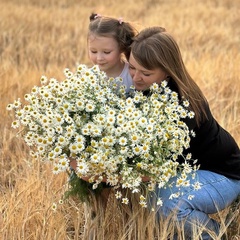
217, 192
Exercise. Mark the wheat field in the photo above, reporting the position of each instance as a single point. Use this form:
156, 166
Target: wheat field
44, 37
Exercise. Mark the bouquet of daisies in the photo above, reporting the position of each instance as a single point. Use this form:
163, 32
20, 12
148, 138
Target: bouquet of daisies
113, 136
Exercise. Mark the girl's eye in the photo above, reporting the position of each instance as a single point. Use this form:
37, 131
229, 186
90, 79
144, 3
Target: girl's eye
93, 52
107, 52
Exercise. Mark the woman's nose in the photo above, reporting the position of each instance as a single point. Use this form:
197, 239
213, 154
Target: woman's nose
136, 76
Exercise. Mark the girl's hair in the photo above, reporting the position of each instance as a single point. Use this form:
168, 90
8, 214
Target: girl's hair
122, 32
154, 48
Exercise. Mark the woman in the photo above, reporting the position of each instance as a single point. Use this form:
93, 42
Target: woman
155, 56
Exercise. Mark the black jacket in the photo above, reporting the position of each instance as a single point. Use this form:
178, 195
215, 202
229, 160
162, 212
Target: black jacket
214, 148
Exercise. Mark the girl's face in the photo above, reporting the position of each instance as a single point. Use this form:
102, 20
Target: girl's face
105, 52
142, 77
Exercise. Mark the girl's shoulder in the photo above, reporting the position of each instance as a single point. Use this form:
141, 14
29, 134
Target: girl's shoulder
125, 71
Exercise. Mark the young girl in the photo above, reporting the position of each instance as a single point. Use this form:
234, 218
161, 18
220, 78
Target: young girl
109, 41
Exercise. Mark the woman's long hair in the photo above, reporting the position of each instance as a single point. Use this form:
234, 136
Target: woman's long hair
154, 48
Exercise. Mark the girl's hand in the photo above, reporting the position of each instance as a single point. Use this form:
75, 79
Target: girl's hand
87, 179
73, 164
145, 179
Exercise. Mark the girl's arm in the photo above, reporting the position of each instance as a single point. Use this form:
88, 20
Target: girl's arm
73, 164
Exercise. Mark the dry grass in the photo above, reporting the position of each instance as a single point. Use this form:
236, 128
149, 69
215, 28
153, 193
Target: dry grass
44, 37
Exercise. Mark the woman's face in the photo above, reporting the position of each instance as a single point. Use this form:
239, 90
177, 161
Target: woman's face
142, 77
